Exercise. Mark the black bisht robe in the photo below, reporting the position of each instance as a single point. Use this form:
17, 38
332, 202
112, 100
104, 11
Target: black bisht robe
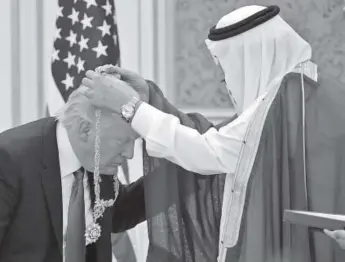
277, 179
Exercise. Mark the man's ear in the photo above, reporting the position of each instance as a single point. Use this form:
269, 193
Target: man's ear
85, 127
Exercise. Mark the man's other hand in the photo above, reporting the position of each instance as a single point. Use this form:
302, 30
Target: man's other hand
337, 235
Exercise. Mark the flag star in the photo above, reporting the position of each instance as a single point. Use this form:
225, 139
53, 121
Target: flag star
55, 55
59, 13
83, 43
72, 39
57, 34
107, 8
70, 60
86, 21
90, 3
100, 49
105, 28
74, 16
80, 65
68, 82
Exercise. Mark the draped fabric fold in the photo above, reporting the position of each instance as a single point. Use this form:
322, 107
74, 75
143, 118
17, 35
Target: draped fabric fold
183, 208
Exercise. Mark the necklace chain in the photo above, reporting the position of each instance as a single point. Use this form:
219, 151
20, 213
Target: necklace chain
93, 232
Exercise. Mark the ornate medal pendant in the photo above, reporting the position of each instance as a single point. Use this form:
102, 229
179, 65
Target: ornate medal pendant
92, 233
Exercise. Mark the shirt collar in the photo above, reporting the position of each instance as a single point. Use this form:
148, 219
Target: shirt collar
69, 162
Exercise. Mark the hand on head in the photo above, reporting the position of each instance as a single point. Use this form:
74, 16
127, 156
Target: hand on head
337, 235
108, 91
137, 82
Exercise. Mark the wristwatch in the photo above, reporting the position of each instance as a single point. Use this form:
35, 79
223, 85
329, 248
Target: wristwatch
128, 110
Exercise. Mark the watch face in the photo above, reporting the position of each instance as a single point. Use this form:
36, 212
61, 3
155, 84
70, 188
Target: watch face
127, 112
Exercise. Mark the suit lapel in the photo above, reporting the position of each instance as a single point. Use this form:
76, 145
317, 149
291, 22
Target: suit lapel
51, 178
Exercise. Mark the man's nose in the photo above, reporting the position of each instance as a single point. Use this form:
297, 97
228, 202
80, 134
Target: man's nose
129, 151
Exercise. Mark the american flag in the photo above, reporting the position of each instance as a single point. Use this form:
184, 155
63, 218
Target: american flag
86, 37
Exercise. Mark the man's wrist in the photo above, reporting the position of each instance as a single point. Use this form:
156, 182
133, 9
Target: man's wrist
128, 109
136, 107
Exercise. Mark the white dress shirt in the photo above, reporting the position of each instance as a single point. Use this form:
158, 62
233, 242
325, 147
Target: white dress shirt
69, 163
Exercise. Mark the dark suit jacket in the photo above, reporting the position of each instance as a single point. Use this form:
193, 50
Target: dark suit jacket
31, 199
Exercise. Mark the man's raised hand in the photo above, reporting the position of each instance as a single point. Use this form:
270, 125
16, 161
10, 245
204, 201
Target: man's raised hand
138, 83
108, 92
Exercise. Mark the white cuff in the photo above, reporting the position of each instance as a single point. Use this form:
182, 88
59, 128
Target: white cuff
145, 118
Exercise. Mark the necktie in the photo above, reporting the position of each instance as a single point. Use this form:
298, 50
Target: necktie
75, 240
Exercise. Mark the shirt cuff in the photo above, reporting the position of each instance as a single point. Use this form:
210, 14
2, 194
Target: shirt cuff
145, 118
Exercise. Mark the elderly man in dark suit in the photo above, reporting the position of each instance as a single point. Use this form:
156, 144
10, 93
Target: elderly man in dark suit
48, 193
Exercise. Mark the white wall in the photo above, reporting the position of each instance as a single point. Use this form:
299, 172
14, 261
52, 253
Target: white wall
21, 98
5, 66
127, 12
